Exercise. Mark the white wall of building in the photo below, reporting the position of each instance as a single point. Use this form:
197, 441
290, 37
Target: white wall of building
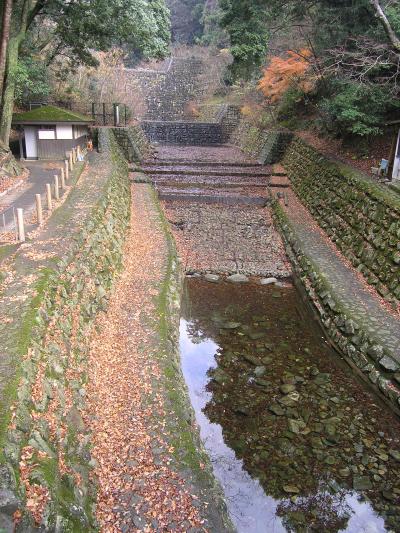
396, 164
30, 141
46, 134
64, 131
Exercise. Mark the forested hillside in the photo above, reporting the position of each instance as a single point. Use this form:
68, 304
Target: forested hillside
334, 61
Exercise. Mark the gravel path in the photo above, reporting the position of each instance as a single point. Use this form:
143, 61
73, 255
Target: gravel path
140, 487
357, 296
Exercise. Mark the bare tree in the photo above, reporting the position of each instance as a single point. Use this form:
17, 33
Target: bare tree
365, 61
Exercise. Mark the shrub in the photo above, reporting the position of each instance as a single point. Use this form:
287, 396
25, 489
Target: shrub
355, 109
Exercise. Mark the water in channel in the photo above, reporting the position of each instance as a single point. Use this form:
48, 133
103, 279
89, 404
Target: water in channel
297, 442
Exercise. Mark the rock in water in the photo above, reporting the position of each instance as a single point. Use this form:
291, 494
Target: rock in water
237, 278
361, 483
212, 278
259, 371
276, 409
268, 281
291, 489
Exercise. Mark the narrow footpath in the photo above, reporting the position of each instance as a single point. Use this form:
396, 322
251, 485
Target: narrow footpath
144, 477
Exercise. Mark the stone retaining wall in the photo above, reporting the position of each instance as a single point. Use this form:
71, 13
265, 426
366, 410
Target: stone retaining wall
268, 146
133, 142
166, 94
48, 450
352, 339
361, 217
184, 133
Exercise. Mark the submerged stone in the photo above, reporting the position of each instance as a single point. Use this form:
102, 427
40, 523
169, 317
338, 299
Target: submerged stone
237, 278
230, 325
286, 388
268, 281
290, 400
219, 376
259, 371
296, 426
362, 483
255, 335
252, 359
291, 489
276, 409
389, 364
212, 278
395, 454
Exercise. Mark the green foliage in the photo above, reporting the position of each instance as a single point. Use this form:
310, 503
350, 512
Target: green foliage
246, 24
50, 113
355, 109
293, 103
79, 27
31, 81
213, 34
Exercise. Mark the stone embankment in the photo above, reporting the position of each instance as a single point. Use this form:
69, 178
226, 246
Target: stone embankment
360, 216
350, 265
46, 467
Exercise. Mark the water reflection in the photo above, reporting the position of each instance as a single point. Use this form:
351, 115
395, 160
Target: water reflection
296, 442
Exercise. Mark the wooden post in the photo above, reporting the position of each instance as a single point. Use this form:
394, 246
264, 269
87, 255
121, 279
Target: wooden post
116, 114
71, 165
48, 196
66, 169
39, 211
56, 188
20, 222
62, 180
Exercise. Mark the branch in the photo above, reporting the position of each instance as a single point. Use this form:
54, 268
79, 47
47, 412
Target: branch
394, 40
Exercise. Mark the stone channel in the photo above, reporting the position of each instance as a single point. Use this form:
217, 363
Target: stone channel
297, 441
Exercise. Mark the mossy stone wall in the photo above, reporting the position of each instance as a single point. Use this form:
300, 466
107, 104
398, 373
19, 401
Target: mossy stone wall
353, 339
49, 433
268, 146
361, 217
133, 142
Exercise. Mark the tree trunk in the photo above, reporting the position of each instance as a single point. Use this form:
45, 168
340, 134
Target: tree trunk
394, 40
7, 103
5, 35
9, 90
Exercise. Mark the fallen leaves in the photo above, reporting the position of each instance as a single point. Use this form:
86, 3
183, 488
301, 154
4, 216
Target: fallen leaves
138, 487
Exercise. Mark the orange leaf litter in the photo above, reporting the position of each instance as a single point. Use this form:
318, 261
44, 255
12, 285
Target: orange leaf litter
125, 406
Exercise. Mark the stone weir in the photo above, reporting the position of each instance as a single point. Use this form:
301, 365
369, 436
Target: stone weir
218, 205
184, 133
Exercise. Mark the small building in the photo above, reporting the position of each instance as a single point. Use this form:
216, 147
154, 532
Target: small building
48, 132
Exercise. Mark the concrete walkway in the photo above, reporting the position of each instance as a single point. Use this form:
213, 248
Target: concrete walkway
40, 173
360, 299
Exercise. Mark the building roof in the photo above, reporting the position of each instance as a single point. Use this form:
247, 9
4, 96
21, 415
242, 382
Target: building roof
49, 114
